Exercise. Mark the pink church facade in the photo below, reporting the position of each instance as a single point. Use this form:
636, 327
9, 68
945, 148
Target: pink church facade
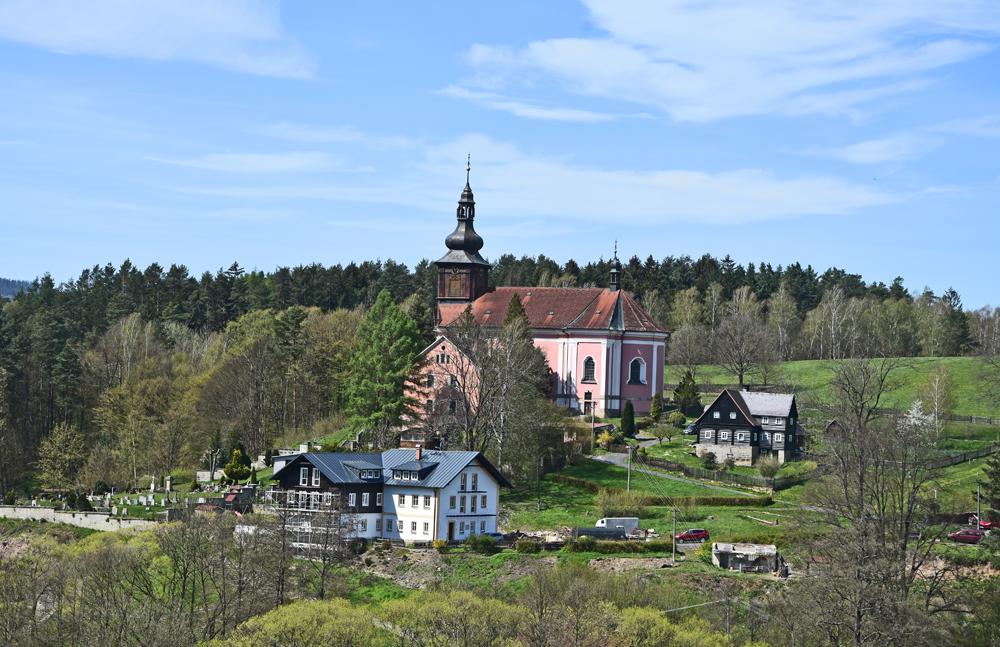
601, 345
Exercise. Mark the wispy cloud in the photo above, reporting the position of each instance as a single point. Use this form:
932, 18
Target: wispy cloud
335, 135
508, 180
984, 126
240, 35
895, 148
708, 61
288, 162
526, 110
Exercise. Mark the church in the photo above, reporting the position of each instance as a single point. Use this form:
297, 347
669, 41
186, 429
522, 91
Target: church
601, 345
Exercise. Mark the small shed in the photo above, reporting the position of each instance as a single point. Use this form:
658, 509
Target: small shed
753, 558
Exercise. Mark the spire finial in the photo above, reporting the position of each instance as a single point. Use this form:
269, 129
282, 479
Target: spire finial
468, 166
616, 249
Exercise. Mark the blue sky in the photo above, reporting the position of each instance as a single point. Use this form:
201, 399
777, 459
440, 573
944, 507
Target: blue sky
857, 134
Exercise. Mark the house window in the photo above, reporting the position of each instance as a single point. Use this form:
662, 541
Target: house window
427, 501
461, 527
741, 436
303, 476
463, 482
767, 437
637, 371
472, 504
378, 499
482, 527
452, 406
429, 406
707, 433
427, 528
352, 499
482, 502
430, 380
413, 527
589, 370
716, 415
363, 525
453, 380
732, 415
461, 504
414, 500
723, 435
475, 482
779, 437
451, 503
755, 436
402, 500
364, 500
315, 477
378, 525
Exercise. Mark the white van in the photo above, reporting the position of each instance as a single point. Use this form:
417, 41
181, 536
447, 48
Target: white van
628, 524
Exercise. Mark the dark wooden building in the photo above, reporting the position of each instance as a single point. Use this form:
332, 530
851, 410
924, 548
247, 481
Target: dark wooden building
746, 425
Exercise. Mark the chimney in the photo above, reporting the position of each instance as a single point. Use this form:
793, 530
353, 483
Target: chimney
419, 453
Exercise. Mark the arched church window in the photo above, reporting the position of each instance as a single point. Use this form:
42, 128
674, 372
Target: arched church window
637, 371
589, 370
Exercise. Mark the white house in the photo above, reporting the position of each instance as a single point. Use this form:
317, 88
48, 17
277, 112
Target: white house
408, 495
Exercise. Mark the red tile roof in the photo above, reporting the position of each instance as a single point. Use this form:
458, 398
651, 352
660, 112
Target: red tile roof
557, 308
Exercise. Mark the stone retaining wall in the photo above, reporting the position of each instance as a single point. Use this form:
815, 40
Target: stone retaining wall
91, 520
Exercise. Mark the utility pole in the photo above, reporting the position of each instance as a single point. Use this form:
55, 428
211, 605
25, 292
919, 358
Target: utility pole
979, 505
628, 477
673, 540
538, 482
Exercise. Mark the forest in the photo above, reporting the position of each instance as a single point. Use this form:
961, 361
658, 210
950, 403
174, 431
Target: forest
140, 371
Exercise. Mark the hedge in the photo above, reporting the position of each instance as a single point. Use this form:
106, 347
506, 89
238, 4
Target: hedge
587, 544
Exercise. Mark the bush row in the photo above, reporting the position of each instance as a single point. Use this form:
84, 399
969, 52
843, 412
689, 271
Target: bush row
588, 544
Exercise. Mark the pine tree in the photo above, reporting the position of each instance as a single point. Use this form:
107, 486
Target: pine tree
628, 420
388, 343
991, 486
656, 407
515, 311
686, 395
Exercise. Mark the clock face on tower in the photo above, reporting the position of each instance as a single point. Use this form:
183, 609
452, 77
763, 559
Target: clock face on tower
458, 284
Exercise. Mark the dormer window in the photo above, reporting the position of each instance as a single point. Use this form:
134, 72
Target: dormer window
716, 415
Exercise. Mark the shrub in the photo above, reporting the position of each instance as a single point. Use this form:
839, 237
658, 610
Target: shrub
708, 461
656, 407
583, 544
440, 545
628, 420
481, 544
235, 469
526, 545
676, 419
768, 466
10, 498
620, 503
702, 553
729, 463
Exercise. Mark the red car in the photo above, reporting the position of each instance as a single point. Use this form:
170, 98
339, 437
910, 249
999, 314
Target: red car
693, 534
982, 523
967, 535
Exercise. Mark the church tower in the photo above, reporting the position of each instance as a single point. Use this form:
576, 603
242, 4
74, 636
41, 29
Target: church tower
462, 273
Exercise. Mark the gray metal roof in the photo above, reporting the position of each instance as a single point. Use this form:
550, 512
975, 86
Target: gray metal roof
768, 404
745, 549
443, 466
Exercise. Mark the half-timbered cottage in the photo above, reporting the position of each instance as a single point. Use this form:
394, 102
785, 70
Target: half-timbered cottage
745, 425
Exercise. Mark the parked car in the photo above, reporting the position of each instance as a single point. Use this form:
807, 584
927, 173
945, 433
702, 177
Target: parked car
982, 523
689, 429
692, 534
967, 535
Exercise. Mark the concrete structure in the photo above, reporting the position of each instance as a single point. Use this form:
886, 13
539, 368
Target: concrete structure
754, 558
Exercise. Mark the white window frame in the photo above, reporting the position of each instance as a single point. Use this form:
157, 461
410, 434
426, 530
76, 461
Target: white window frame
706, 434
365, 498
402, 500
732, 415
315, 481
461, 504
378, 499
427, 528
378, 525
472, 503
413, 527
716, 415
642, 370
779, 438
741, 436
482, 503
462, 481
304, 476
482, 527
427, 501
451, 502
414, 500
363, 525
352, 500
723, 435
475, 481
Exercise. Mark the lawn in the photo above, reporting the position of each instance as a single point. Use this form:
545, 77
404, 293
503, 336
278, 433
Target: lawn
612, 476
812, 378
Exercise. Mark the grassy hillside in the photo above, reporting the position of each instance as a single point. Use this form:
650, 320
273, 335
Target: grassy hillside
812, 378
